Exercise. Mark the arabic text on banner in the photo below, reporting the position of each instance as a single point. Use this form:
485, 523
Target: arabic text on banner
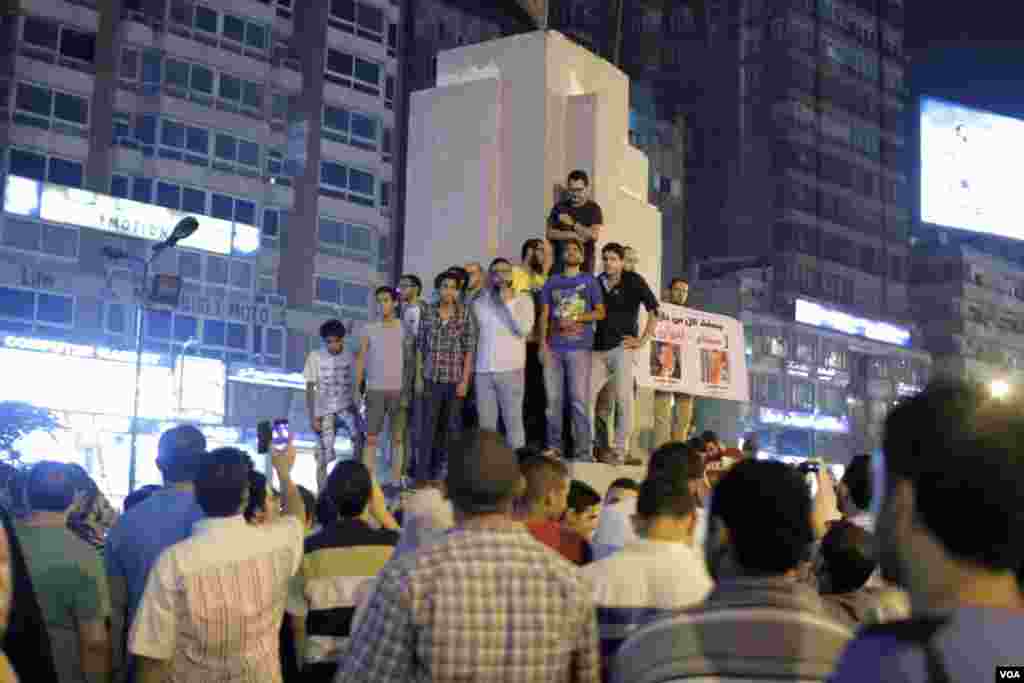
696, 353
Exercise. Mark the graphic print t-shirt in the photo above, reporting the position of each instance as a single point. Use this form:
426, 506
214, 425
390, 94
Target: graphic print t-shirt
570, 297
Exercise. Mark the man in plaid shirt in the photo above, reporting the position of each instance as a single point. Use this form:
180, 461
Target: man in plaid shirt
485, 603
446, 340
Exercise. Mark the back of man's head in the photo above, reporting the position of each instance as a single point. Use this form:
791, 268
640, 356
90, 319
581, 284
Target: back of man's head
620, 489
349, 487
857, 480
963, 453
582, 496
848, 557
483, 474
180, 453
670, 461
222, 484
665, 498
766, 507
546, 480
50, 487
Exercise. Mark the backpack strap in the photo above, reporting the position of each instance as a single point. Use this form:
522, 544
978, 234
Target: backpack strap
919, 632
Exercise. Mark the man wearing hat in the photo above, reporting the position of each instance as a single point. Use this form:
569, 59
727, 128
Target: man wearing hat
485, 595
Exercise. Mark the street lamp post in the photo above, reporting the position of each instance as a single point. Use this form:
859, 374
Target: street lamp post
184, 229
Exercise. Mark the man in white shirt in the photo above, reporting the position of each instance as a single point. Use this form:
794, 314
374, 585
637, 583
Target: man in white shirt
330, 397
657, 572
213, 603
504, 321
614, 528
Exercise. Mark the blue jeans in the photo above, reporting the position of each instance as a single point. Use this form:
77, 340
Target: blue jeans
571, 369
502, 391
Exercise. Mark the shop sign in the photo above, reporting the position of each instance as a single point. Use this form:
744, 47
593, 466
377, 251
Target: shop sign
214, 307
268, 378
79, 350
812, 421
816, 315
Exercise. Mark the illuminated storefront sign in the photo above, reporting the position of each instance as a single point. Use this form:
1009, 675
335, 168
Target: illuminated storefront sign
229, 310
79, 350
72, 206
818, 423
907, 389
810, 313
268, 378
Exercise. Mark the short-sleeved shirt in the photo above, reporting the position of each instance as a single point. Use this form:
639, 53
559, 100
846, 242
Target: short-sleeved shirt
569, 297
622, 305
69, 582
588, 215
332, 375
384, 356
565, 542
213, 603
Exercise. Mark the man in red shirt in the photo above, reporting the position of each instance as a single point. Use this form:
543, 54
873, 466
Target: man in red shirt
545, 501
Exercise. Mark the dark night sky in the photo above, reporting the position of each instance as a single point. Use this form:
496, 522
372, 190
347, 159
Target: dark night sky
968, 51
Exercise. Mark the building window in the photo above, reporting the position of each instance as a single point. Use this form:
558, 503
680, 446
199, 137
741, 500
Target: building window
353, 72
392, 40
389, 90
802, 396
236, 32
834, 357
50, 41
46, 168
358, 18
351, 127
769, 390
347, 240
351, 296
804, 348
385, 195
51, 109
37, 309
274, 222
385, 145
831, 401
351, 184
383, 255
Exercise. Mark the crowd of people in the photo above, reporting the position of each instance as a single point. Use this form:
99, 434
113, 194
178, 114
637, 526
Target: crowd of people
497, 565
543, 351
717, 566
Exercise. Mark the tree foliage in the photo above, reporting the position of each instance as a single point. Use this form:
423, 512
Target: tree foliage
18, 419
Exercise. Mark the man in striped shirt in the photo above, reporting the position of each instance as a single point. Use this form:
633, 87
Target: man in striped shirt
213, 603
760, 620
337, 561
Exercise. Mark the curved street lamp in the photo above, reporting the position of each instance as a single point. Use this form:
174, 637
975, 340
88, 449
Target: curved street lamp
184, 229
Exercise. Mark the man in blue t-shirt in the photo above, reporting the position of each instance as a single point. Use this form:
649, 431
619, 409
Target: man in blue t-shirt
152, 526
572, 303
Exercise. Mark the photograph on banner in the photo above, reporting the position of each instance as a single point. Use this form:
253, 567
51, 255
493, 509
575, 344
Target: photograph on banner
697, 353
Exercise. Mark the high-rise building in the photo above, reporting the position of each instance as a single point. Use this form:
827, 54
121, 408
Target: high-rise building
272, 121
802, 169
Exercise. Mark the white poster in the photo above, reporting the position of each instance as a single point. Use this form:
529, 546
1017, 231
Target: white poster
697, 353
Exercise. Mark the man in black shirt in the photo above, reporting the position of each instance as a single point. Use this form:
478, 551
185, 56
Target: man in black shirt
616, 340
575, 218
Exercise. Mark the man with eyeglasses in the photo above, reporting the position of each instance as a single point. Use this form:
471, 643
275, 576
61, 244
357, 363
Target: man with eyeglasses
575, 218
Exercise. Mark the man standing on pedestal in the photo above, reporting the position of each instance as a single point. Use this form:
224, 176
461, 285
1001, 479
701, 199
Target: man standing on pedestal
410, 290
575, 218
666, 426
616, 342
529, 278
330, 397
572, 302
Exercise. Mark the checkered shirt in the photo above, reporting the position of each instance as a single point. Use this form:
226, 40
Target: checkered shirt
482, 606
445, 343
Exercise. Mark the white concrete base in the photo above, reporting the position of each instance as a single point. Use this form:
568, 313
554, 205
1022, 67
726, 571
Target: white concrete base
600, 477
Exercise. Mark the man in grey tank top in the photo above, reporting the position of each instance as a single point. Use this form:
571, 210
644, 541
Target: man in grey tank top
380, 363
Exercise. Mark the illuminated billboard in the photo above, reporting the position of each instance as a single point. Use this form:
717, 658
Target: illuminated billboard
72, 206
811, 313
968, 169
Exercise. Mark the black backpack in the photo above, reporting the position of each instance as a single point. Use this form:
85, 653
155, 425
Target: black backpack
919, 632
